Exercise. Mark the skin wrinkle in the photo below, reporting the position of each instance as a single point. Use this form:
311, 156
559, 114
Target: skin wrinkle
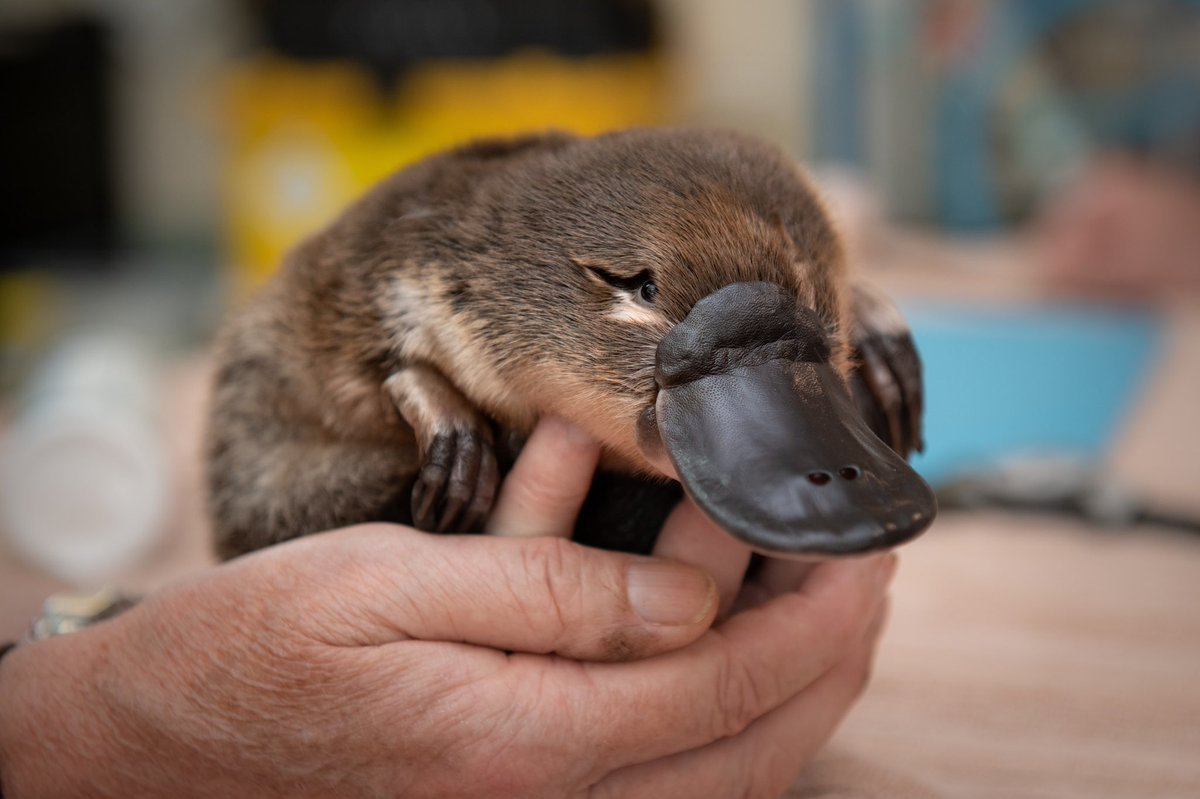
578, 725
547, 561
108, 696
594, 761
465, 703
467, 725
439, 592
211, 673
501, 743
375, 619
737, 697
728, 713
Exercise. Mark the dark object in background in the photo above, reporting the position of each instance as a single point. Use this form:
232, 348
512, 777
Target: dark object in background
56, 148
1059, 486
388, 36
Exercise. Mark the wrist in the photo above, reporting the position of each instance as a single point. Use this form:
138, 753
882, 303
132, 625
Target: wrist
54, 737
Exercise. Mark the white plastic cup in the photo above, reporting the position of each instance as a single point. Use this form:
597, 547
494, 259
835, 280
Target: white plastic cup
83, 469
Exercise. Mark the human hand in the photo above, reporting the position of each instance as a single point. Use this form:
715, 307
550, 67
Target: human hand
550, 481
372, 662
553, 476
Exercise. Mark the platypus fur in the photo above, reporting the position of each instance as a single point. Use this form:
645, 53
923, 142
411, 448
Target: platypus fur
679, 294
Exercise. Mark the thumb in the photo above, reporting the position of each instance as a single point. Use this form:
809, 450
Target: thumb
548, 483
380, 584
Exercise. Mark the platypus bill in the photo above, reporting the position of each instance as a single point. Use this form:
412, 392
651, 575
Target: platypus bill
681, 295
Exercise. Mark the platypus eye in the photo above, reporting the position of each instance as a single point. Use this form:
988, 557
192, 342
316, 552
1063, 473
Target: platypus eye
648, 292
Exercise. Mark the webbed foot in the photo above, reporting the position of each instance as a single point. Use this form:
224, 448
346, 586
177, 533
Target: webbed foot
886, 381
457, 480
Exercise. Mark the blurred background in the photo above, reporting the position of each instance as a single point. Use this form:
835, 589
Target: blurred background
1024, 176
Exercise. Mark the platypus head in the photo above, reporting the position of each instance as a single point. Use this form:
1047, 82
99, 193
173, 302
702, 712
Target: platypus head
680, 296
761, 431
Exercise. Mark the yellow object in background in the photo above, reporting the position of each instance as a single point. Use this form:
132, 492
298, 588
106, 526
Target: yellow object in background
31, 309
305, 140
25, 298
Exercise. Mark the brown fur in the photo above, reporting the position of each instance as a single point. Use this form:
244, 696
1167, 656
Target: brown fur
474, 264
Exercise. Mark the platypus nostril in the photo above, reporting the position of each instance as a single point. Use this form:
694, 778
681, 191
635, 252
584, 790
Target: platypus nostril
850, 472
819, 478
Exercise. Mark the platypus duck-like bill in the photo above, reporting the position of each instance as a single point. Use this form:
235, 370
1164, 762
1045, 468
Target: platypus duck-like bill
764, 435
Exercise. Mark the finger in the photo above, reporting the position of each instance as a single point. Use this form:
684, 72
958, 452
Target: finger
689, 536
379, 584
780, 576
748, 666
774, 576
548, 483
762, 761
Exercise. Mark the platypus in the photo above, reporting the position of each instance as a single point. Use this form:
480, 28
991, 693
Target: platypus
681, 295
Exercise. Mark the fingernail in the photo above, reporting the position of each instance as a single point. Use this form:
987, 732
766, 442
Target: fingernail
669, 593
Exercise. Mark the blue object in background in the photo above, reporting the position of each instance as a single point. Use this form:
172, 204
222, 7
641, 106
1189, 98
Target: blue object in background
1152, 109
970, 114
1002, 382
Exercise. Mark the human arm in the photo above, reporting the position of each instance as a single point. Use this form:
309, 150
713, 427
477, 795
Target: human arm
377, 661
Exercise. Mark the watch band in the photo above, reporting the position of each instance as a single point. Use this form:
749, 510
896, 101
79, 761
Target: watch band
72, 611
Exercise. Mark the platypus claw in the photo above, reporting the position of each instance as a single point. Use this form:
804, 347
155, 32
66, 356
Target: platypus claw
886, 381
458, 476
457, 482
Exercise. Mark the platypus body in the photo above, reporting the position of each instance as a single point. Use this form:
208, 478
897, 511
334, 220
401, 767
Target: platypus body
680, 295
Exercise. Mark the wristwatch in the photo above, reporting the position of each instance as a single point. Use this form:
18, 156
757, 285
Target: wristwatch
69, 612
72, 611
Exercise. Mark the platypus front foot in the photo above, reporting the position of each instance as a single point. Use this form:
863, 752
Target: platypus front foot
457, 480
886, 381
